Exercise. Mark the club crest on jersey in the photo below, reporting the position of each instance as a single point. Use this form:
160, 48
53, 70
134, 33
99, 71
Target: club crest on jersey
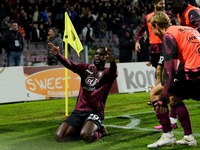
88, 71
197, 50
100, 74
91, 81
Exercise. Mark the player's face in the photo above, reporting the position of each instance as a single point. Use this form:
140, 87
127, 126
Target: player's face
99, 57
174, 6
160, 6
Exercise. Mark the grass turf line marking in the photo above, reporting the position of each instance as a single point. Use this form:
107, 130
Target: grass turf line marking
142, 112
134, 122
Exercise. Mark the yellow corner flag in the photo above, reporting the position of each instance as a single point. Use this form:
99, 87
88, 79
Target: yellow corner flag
70, 35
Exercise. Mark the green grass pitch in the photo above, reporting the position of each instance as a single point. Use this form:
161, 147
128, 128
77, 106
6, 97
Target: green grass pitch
129, 120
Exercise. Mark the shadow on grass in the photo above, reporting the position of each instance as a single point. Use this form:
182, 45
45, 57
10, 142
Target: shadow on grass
6, 130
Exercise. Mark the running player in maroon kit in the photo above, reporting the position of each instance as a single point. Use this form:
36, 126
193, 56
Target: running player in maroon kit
179, 42
87, 118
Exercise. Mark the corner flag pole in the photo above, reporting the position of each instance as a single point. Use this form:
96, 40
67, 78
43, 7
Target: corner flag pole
71, 37
66, 82
66, 71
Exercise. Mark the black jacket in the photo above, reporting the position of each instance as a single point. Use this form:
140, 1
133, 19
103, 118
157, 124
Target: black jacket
57, 41
126, 46
9, 41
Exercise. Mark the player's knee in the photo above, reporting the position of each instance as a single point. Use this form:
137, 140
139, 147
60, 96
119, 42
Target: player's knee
59, 137
86, 136
151, 95
174, 101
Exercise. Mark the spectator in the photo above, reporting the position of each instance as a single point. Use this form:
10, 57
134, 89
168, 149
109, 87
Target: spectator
133, 19
89, 18
21, 29
121, 30
43, 35
58, 11
5, 25
14, 45
101, 27
126, 46
25, 22
36, 15
3, 11
109, 22
56, 41
44, 16
119, 22
72, 14
80, 23
87, 33
144, 52
35, 35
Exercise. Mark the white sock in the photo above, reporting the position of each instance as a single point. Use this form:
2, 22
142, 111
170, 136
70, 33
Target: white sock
189, 136
168, 134
173, 120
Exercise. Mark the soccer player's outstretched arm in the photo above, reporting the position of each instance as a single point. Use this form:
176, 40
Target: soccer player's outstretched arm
67, 63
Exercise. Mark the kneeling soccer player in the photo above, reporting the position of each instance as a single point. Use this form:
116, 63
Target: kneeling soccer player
87, 118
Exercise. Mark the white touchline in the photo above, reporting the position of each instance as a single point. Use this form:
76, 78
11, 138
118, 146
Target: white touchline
134, 122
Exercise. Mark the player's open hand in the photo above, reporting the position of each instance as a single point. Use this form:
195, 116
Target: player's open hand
159, 108
54, 49
137, 47
108, 55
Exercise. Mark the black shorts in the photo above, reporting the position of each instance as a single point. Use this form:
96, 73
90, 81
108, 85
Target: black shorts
184, 88
155, 59
78, 118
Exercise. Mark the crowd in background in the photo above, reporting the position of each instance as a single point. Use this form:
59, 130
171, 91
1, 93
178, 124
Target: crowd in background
35, 17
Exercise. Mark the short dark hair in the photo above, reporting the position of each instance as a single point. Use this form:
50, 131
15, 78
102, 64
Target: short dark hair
54, 30
100, 47
14, 21
156, 1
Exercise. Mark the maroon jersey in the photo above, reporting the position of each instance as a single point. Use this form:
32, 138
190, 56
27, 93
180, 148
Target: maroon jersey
95, 84
157, 47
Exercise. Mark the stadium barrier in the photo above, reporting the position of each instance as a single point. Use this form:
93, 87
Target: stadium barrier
47, 82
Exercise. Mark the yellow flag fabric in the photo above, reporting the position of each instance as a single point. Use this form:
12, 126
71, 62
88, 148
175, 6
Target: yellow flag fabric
70, 35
